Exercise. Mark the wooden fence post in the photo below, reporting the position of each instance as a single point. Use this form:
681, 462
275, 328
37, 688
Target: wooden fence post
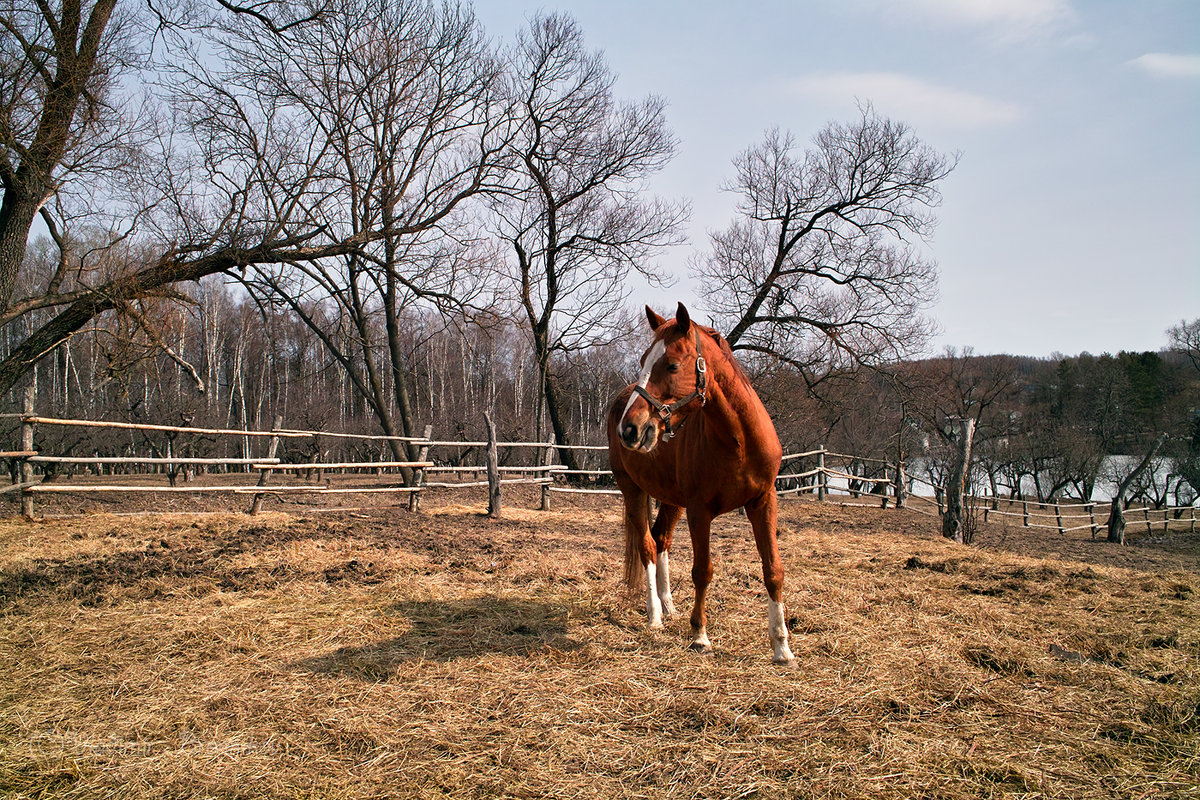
27, 445
414, 497
822, 477
547, 460
263, 477
493, 468
1058, 517
1025, 512
170, 466
1092, 517
1149, 527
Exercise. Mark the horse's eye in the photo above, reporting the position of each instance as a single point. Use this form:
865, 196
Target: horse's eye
672, 367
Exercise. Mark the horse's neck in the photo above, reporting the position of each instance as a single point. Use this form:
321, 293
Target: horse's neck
734, 409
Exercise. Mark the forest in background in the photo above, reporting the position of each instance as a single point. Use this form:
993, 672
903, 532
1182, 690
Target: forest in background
217, 359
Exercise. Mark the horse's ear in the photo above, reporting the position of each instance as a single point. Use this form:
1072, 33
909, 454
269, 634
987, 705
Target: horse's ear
682, 320
656, 321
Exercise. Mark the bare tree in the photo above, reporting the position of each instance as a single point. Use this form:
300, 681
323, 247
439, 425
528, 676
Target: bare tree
186, 209
398, 103
575, 219
260, 164
964, 399
59, 66
818, 270
1116, 515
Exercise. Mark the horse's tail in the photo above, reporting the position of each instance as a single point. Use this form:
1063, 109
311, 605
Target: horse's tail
635, 573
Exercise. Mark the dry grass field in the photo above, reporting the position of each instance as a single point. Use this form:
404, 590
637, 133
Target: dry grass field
378, 653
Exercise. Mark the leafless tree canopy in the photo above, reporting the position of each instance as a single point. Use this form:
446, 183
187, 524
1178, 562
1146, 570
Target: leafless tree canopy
376, 123
425, 225
291, 138
63, 125
822, 267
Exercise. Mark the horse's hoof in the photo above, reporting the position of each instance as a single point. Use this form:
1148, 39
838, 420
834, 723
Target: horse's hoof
701, 648
787, 661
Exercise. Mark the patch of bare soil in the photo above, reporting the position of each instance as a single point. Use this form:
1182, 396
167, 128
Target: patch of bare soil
372, 652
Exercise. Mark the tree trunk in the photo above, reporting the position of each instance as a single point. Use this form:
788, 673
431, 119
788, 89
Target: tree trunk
400, 373
953, 520
1116, 517
550, 389
16, 218
73, 57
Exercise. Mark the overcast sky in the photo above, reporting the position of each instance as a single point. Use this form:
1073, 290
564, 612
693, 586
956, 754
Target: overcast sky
1072, 222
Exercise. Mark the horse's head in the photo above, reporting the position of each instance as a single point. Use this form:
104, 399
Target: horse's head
674, 378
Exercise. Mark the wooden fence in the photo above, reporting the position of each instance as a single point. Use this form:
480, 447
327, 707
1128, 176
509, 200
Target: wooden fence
856, 480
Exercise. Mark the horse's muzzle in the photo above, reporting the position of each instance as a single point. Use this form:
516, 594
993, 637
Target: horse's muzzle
639, 437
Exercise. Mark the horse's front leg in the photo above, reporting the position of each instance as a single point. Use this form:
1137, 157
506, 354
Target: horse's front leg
662, 533
761, 512
700, 527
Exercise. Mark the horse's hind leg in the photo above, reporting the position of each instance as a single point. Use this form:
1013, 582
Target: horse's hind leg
662, 532
761, 513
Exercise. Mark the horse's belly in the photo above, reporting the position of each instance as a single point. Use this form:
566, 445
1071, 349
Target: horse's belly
718, 488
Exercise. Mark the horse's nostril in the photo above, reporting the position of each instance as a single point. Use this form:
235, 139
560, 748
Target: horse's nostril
629, 432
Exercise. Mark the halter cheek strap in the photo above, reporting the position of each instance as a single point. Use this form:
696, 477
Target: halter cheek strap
664, 410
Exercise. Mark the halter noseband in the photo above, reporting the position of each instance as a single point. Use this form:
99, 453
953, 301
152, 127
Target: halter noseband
665, 411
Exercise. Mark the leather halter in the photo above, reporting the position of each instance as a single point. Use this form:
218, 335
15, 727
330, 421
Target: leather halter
664, 410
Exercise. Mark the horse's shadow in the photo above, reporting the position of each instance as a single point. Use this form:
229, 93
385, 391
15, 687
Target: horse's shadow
447, 630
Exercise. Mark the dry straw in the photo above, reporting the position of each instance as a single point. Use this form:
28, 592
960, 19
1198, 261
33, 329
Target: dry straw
440, 654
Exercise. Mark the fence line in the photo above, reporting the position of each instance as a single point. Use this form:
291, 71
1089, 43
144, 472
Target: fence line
36, 459
1032, 513
138, 426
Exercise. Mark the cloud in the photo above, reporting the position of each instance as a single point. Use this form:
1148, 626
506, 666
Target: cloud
911, 99
1003, 19
1168, 65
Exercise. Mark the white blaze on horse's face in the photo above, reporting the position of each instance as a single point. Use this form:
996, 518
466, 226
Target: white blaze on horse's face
646, 436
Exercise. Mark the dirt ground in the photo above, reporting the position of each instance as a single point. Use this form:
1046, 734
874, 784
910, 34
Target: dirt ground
373, 652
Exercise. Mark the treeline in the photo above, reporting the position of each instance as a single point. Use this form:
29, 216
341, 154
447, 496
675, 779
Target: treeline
1059, 427
1045, 428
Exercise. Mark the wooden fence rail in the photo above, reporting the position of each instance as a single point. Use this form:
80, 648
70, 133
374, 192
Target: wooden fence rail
822, 480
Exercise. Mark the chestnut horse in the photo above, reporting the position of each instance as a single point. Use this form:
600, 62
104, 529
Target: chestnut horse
693, 434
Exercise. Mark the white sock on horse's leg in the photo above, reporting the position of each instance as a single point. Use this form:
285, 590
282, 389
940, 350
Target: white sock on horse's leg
653, 606
777, 628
